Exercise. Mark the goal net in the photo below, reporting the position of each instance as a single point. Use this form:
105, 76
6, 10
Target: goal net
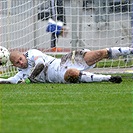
92, 24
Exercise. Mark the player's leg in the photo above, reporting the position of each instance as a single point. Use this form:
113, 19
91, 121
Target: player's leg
74, 76
53, 40
92, 57
91, 77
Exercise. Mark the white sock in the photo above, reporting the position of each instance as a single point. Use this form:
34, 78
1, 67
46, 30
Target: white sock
90, 77
115, 52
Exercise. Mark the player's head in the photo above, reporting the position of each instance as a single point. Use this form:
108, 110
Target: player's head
18, 59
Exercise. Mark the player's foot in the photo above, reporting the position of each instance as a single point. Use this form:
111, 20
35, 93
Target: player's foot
54, 27
56, 49
115, 79
115, 52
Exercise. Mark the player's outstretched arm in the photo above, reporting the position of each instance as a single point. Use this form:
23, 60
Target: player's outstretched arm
4, 81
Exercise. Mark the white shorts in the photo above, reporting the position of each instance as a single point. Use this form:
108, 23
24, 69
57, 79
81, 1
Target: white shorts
58, 67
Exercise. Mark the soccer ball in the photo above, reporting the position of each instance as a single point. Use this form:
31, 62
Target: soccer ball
4, 55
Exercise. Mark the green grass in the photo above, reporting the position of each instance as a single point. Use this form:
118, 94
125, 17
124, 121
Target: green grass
67, 108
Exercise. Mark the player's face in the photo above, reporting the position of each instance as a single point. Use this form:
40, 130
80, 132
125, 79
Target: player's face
20, 61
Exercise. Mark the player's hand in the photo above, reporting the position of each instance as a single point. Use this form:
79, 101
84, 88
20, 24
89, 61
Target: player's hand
26, 81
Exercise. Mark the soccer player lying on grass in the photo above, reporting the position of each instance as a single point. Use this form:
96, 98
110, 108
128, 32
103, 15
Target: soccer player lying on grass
38, 67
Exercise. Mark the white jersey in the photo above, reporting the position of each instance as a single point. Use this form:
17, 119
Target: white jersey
54, 69
34, 57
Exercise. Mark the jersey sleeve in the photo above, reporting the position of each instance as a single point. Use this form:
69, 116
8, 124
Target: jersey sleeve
39, 59
20, 76
15, 79
36, 56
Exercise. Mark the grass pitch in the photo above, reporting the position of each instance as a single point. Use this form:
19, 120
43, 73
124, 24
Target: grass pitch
67, 108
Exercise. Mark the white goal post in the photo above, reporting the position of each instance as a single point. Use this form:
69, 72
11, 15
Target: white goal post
92, 24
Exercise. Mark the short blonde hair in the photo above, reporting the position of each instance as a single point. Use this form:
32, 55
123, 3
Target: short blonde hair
13, 55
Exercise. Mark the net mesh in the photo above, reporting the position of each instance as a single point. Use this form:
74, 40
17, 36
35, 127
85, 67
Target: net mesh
91, 25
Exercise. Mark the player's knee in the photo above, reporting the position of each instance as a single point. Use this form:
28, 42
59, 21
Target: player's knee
72, 75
